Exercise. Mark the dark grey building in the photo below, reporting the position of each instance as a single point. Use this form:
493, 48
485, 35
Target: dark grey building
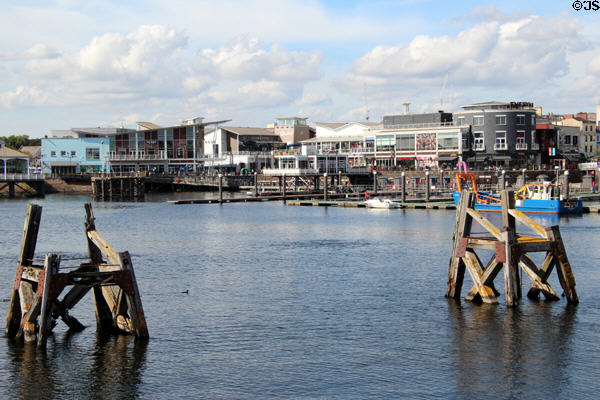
395, 121
502, 134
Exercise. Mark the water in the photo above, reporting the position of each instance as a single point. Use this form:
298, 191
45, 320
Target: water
300, 302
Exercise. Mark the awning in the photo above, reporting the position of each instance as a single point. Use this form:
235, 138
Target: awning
501, 158
63, 164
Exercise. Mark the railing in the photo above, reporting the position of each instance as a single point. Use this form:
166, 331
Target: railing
521, 146
112, 156
500, 146
289, 171
479, 147
421, 125
535, 146
21, 177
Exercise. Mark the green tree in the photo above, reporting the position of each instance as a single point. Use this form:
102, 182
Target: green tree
16, 141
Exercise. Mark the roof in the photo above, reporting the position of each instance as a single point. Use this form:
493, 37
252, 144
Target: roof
250, 131
32, 150
148, 125
338, 125
5, 152
331, 125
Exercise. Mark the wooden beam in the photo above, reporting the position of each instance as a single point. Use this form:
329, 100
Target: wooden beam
527, 265
487, 225
528, 222
22, 294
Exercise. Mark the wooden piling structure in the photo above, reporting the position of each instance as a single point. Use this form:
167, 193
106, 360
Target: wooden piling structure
35, 303
510, 250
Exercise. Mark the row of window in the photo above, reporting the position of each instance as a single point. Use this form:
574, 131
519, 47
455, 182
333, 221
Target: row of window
91, 153
478, 120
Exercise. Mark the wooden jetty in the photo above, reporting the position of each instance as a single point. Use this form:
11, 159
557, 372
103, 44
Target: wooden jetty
510, 250
29, 185
108, 274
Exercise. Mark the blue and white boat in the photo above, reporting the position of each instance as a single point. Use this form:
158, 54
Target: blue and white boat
534, 198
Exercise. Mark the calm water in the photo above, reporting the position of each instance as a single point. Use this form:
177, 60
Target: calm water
300, 302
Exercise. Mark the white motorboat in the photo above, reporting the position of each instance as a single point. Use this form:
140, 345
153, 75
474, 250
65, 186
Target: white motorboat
381, 203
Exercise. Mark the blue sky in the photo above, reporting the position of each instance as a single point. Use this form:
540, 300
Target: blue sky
112, 63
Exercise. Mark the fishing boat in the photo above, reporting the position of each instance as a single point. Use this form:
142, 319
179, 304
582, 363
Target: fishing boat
535, 198
381, 203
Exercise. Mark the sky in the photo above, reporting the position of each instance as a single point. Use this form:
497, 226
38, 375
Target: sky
70, 63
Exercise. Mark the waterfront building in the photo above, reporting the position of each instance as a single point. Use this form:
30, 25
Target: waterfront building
149, 148
429, 140
12, 161
238, 148
70, 155
502, 134
242, 149
587, 128
35, 156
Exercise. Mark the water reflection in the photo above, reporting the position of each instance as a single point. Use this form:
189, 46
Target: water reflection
508, 352
118, 367
110, 369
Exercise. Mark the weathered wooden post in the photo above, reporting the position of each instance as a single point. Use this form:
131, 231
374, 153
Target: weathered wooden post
427, 186
325, 189
255, 183
375, 182
284, 187
116, 309
501, 181
403, 187
565, 185
510, 252
22, 294
220, 188
511, 277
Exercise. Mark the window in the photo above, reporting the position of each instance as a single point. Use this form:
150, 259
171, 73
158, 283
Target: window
574, 140
520, 119
500, 119
92, 153
405, 142
63, 153
53, 153
448, 141
73, 153
478, 120
567, 139
180, 152
521, 145
479, 144
500, 141
460, 121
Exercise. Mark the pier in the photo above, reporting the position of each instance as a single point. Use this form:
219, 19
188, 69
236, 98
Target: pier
28, 184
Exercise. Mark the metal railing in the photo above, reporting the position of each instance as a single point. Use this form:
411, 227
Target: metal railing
500, 146
479, 147
21, 177
521, 146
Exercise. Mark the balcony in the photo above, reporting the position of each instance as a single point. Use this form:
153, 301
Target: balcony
479, 147
521, 146
500, 146
133, 156
535, 146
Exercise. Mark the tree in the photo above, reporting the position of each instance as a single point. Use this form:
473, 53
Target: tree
16, 141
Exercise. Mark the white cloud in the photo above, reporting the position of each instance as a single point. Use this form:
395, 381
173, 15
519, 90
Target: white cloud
524, 53
314, 99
